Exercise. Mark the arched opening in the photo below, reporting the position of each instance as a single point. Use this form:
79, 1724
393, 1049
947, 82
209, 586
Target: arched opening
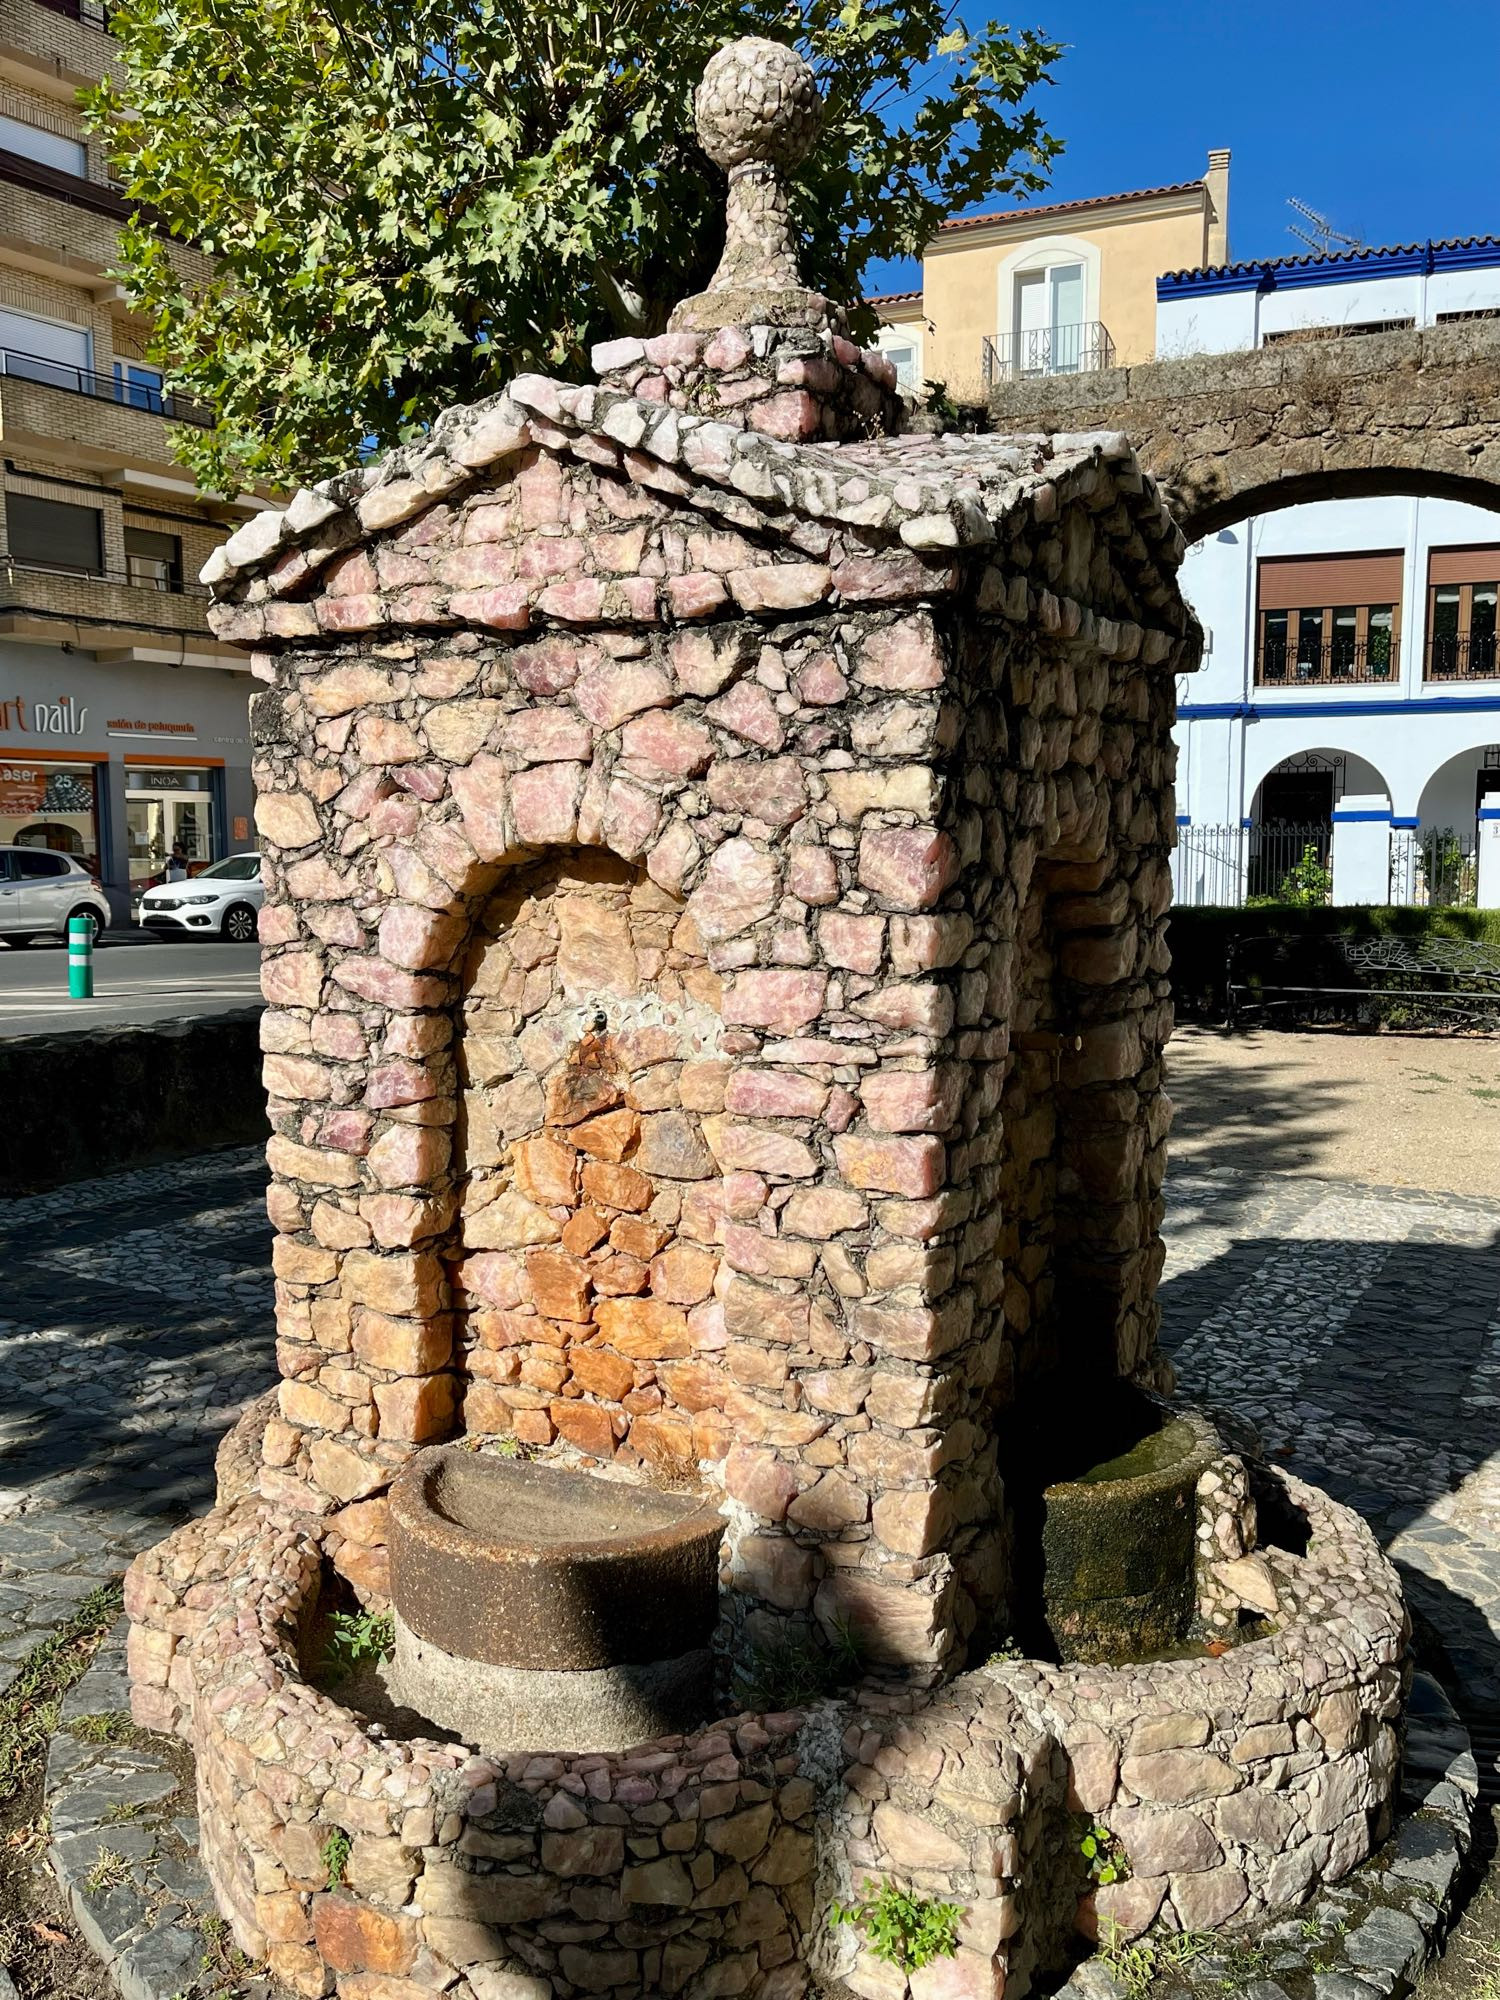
583, 1251
1288, 846
1202, 506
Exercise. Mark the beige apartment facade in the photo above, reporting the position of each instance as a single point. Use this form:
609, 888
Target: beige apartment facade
1064, 288
122, 719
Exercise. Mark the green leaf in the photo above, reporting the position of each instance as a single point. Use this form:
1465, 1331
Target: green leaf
407, 205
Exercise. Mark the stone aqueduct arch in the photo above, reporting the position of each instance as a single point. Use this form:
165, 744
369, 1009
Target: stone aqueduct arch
1228, 435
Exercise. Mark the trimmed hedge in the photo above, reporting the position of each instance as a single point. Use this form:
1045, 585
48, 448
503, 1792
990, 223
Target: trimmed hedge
98, 1100
1200, 938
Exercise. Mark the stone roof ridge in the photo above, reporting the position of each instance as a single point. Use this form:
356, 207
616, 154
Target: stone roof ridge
930, 493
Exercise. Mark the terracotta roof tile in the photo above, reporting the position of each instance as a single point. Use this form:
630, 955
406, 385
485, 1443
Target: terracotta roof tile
1065, 207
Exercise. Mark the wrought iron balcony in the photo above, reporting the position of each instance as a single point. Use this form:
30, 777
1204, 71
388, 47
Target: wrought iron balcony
1336, 663
105, 388
1474, 658
1047, 350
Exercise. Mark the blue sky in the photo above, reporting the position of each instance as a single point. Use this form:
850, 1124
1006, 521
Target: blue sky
1386, 117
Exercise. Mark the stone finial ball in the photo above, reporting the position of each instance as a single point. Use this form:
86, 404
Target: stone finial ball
758, 100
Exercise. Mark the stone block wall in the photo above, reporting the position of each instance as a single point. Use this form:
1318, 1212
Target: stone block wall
646, 860
706, 1865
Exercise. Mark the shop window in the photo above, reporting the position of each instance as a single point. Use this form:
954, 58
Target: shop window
151, 560
167, 811
51, 534
50, 807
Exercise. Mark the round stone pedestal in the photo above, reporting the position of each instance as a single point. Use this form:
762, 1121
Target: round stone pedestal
544, 1609
1119, 1542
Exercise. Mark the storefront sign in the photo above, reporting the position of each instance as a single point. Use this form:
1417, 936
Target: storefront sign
138, 779
43, 718
23, 789
122, 725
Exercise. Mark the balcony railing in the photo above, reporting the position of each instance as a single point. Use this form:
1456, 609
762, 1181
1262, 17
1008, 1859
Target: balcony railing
145, 574
105, 388
1047, 350
92, 13
1472, 659
1336, 663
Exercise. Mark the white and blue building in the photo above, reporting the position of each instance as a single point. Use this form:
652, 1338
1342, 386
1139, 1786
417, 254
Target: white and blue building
1352, 672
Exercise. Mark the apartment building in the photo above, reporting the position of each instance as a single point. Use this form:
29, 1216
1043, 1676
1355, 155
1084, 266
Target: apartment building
1353, 667
1060, 289
122, 719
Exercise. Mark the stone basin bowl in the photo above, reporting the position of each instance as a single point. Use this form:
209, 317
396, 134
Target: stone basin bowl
526, 1565
1119, 1543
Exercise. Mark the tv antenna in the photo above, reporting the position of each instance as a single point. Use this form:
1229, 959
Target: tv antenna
1320, 235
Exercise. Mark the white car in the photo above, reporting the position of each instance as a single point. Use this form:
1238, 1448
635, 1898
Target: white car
41, 890
223, 901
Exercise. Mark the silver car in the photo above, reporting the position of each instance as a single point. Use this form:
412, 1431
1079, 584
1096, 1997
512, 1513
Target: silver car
41, 890
221, 901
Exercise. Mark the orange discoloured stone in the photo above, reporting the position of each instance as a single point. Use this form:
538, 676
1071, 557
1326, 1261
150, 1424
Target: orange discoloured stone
614, 1186
546, 1171
583, 1230
559, 1284
645, 1328
585, 1425
609, 1137
602, 1372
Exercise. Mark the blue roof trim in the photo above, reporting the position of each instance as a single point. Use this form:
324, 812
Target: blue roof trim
1488, 813
1274, 274
1412, 822
1235, 711
1371, 816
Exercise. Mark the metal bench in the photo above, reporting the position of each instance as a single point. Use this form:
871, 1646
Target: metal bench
1431, 981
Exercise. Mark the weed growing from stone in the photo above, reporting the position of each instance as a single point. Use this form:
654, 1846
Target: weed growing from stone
336, 1856
901, 1929
358, 1638
1135, 1963
109, 1869
109, 1727
224, 1966
905, 1930
1103, 1856
30, 1706
1005, 1651
792, 1672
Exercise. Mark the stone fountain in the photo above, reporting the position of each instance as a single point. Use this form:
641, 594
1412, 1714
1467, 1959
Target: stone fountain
716, 977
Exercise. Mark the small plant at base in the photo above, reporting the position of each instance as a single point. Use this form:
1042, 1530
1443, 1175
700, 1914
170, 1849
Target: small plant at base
357, 1637
791, 1672
903, 1929
1103, 1855
111, 1727
1135, 1963
109, 1869
336, 1856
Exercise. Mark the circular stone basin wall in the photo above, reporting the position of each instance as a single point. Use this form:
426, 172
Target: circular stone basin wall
1119, 1541
546, 1609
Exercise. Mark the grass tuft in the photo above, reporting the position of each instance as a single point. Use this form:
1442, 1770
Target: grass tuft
31, 1705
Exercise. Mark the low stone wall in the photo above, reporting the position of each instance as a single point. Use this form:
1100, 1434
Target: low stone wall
705, 1864
77, 1105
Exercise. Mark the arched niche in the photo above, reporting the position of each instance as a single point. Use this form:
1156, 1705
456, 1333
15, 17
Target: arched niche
583, 1254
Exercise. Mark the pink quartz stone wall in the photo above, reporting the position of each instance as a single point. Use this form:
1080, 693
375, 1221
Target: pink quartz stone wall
715, 972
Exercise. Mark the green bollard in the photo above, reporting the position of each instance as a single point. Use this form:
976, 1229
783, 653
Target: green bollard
80, 958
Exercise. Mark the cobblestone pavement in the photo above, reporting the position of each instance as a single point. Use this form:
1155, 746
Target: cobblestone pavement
136, 1326
1359, 1329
